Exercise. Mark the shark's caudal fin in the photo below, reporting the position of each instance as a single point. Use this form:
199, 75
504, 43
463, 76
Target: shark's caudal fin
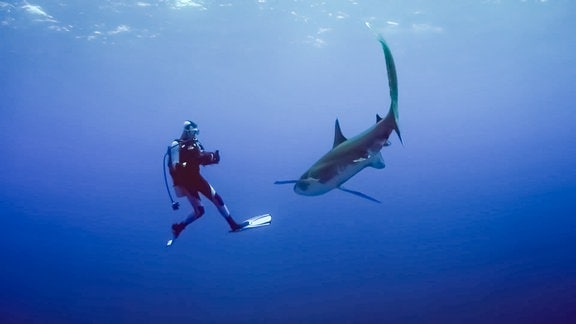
393, 84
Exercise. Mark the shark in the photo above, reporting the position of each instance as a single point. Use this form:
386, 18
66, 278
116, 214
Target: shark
349, 156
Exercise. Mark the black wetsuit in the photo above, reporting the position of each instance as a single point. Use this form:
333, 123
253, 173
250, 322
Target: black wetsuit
186, 173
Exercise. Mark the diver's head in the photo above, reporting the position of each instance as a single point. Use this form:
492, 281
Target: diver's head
190, 130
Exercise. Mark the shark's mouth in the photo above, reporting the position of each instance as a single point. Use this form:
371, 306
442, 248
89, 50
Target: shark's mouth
309, 187
302, 186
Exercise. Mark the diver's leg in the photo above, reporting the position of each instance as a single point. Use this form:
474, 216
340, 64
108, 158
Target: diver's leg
207, 190
198, 211
217, 200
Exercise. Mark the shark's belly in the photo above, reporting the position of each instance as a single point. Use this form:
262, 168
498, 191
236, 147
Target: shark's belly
314, 186
345, 173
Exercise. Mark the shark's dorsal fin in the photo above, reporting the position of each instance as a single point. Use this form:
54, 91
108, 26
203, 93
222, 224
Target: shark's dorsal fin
378, 118
338, 137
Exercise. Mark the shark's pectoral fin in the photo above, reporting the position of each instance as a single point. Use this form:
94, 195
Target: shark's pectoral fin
285, 182
359, 194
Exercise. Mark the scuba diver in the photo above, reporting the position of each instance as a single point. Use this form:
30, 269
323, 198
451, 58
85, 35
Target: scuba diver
185, 156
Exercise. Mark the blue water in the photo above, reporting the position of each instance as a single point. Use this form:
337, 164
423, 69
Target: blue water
477, 223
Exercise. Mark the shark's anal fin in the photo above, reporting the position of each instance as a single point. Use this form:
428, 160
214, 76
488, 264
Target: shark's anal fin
338, 137
359, 194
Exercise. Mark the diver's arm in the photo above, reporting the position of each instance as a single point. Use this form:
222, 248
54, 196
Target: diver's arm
207, 158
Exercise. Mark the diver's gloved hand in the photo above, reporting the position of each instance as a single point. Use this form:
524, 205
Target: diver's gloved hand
207, 158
